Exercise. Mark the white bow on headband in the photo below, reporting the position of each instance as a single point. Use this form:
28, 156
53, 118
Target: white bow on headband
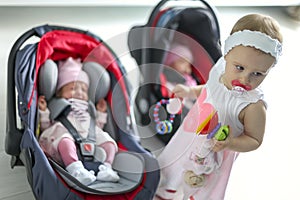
254, 39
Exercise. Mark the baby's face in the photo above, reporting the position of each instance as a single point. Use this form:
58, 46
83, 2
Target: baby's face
76, 90
182, 66
246, 67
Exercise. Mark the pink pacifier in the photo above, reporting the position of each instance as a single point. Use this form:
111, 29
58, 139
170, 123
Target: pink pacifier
239, 89
238, 86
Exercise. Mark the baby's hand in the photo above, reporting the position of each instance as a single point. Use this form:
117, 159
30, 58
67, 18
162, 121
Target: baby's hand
42, 103
101, 105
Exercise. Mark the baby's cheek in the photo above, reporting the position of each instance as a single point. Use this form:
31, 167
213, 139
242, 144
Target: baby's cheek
86, 97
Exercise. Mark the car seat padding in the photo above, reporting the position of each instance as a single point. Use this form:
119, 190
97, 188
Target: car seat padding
130, 167
57, 106
99, 80
48, 74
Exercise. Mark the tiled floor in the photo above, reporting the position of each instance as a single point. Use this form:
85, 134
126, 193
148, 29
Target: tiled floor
271, 172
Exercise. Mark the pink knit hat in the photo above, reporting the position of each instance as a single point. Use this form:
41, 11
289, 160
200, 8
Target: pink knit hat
177, 51
70, 71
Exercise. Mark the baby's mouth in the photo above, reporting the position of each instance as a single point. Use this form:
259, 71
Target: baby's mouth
237, 84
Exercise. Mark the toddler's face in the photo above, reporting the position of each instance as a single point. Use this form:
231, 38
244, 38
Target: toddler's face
76, 90
246, 67
182, 66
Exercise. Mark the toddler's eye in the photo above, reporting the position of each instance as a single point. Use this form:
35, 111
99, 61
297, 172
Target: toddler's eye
240, 68
257, 74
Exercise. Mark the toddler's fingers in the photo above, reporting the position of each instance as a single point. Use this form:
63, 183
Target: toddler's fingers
180, 91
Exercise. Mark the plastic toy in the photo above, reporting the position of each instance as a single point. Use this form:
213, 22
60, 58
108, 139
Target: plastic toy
212, 128
188, 162
222, 133
163, 127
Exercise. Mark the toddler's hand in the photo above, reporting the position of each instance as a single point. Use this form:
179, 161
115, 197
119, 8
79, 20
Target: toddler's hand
221, 145
221, 139
42, 103
182, 91
101, 105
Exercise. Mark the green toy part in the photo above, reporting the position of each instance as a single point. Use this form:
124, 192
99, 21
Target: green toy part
222, 133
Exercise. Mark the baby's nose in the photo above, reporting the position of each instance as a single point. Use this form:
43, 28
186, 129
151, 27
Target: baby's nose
78, 92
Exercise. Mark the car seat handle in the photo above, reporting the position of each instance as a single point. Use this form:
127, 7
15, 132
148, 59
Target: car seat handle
157, 8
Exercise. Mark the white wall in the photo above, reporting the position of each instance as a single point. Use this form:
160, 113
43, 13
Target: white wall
105, 22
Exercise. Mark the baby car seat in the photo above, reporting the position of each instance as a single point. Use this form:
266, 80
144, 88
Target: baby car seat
137, 167
129, 165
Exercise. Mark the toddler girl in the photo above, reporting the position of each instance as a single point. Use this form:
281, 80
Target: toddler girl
251, 50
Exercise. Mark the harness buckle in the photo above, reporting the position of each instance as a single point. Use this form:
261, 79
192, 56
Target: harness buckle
87, 148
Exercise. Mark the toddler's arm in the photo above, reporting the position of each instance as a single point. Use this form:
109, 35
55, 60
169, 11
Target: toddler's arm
254, 118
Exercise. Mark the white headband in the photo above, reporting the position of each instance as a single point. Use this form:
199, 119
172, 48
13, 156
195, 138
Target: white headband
254, 39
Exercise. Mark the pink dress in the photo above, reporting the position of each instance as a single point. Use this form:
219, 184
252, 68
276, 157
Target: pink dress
182, 172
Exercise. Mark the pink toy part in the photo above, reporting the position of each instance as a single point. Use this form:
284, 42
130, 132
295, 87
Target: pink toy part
207, 113
211, 125
202, 117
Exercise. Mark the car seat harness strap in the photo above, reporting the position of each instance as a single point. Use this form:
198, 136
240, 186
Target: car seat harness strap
86, 146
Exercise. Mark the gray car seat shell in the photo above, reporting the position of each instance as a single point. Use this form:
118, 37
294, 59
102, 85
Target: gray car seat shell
24, 62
